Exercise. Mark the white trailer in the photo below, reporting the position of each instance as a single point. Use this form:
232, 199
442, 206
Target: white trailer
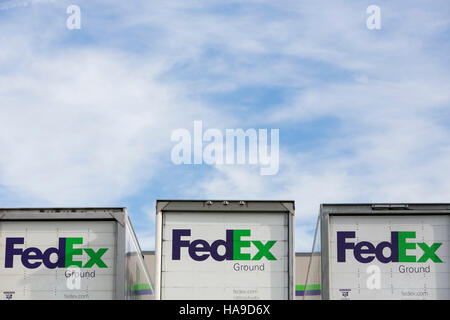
220, 249
385, 251
70, 253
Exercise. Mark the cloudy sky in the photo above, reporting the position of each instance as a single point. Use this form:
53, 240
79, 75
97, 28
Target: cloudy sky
86, 115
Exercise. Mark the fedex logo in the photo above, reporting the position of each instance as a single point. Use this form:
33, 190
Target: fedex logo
200, 250
366, 251
32, 257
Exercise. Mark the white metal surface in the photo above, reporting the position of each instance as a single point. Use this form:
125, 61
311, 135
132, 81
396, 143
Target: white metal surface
353, 279
21, 282
187, 278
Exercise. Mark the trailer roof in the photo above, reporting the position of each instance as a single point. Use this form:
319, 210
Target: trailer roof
384, 208
66, 213
226, 206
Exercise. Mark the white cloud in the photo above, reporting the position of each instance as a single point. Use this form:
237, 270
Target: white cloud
88, 125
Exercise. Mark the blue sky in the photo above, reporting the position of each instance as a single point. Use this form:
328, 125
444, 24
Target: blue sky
86, 115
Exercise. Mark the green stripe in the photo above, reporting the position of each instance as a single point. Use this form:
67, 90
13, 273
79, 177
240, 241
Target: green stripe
301, 287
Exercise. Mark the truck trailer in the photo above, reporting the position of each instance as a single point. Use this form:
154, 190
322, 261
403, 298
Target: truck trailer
220, 249
383, 251
71, 253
